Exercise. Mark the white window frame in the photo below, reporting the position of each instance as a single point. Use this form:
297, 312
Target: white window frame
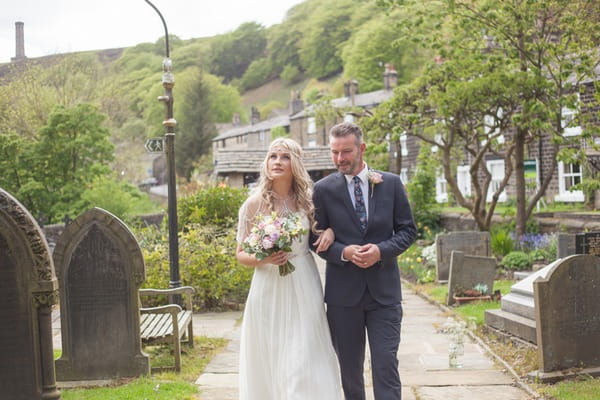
488, 120
403, 145
567, 115
564, 194
463, 179
311, 127
437, 139
441, 188
404, 175
312, 142
494, 166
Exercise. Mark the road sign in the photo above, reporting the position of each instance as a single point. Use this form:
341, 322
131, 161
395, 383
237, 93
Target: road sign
155, 145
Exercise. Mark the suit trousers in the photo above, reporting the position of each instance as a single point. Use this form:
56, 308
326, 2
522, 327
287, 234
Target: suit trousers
349, 327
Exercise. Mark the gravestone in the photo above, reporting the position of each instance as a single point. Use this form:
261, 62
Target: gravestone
100, 268
565, 245
568, 318
28, 290
469, 242
588, 243
466, 271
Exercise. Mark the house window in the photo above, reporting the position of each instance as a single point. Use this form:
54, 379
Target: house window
568, 115
312, 125
349, 118
441, 188
261, 136
403, 146
489, 122
463, 179
496, 168
404, 175
568, 176
312, 142
437, 139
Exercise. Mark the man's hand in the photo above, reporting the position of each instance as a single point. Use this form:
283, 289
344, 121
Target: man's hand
326, 239
367, 255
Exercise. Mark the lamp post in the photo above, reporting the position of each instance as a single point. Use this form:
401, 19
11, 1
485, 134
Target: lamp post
168, 81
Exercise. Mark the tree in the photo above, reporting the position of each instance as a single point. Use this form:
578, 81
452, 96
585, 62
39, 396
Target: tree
232, 53
196, 128
73, 148
546, 48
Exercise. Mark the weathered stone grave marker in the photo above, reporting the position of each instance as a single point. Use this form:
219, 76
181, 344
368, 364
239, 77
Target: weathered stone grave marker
100, 268
470, 242
568, 318
28, 290
466, 271
588, 243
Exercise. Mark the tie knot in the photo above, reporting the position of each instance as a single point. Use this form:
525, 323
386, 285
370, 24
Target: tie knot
356, 180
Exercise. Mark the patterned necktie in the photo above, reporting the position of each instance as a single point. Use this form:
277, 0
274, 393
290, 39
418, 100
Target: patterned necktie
359, 204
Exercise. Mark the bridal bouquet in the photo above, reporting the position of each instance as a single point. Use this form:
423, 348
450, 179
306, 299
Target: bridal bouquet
272, 233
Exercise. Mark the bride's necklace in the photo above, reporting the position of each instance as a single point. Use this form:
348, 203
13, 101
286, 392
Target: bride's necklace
283, 201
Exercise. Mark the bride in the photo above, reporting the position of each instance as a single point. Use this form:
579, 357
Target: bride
286, 351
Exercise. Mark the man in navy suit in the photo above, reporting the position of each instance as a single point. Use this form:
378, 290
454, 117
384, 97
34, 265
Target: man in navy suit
373, 224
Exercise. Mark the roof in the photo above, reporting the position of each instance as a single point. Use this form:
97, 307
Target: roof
365, 100
268, 124
249, 160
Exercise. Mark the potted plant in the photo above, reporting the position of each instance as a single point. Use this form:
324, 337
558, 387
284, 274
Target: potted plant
479, 292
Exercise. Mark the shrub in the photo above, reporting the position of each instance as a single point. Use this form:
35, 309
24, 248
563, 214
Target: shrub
516, 260
502, 242
290, 74
214, 205
421, 190
207, 262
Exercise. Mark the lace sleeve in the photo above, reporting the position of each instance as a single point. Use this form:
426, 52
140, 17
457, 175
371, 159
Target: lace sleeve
246, 217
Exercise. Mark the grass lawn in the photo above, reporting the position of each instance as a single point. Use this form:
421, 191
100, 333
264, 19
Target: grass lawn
159, 386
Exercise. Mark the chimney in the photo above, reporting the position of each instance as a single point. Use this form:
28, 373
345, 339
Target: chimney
351, 89
296, 103
390, 77
254, 115
20, 42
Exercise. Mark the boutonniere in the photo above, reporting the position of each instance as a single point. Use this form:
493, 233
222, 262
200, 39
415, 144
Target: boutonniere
374, 179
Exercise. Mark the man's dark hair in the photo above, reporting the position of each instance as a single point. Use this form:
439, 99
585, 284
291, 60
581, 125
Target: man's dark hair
347, 128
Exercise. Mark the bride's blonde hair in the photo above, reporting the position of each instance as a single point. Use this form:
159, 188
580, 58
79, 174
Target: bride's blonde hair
301, 182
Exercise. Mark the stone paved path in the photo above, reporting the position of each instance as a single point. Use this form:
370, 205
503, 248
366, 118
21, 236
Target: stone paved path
423, 357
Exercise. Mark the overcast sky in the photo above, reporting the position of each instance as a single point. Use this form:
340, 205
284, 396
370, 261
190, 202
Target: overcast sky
62, 26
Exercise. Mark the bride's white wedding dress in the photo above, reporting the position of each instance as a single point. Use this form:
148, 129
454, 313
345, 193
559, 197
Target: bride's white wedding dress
286, 351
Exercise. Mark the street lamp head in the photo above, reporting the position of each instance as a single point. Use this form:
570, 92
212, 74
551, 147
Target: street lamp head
168, 77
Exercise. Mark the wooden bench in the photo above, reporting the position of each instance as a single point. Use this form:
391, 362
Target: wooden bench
168, 324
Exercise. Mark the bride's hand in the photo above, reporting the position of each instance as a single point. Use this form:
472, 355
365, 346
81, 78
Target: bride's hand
325, 240
278, 258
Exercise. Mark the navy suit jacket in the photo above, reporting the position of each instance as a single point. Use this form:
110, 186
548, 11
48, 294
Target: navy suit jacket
390, 226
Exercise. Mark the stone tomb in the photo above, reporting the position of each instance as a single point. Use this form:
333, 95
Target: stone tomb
100, 269
516, 315
469, 242
568, 318
467, 271
28, 290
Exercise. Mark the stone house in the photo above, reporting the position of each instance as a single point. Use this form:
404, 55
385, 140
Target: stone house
239, 150
538, 157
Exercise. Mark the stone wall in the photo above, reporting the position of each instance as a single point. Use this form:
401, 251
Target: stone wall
548, 222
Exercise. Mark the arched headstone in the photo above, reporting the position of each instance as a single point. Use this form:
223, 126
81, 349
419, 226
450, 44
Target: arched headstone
28, 289
100, 268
